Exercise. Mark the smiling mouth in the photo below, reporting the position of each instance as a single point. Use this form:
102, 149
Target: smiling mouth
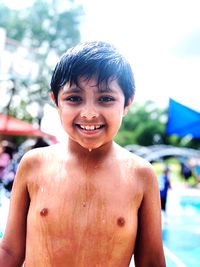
89, 127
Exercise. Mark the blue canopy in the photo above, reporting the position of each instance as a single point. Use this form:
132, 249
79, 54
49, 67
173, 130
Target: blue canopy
182, 120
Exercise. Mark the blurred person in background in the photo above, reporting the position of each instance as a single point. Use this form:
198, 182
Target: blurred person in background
164, 185
6, 154
186, 170
10, 169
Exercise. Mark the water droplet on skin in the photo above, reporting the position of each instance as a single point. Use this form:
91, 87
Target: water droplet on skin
90, 149
42, 189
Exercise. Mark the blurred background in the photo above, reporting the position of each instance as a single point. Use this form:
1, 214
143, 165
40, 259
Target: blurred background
161, 40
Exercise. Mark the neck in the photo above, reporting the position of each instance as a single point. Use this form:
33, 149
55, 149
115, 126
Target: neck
81, 152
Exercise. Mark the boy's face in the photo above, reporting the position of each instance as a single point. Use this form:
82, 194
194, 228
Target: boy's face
90, 116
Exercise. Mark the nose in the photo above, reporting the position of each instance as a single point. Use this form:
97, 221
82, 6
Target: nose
89, 112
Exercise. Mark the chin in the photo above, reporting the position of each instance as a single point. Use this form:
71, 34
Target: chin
91, 146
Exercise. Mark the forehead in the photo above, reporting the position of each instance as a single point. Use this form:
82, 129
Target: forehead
85, 84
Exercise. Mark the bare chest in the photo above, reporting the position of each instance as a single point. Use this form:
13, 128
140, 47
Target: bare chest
73, 203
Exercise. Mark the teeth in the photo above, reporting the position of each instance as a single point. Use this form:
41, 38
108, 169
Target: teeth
90, 127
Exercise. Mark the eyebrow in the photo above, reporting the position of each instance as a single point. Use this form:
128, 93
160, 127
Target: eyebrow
105, 89
76, 89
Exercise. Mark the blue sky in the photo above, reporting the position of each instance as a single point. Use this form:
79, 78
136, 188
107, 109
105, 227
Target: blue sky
161, 39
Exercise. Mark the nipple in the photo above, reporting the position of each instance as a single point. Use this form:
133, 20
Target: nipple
121, 221
44, 212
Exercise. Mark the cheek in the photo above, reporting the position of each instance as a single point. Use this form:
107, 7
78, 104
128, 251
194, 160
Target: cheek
119, 113
115, 118
65, 117
66, 113
120, 116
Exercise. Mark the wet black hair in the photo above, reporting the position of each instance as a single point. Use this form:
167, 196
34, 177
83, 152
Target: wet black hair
99, 60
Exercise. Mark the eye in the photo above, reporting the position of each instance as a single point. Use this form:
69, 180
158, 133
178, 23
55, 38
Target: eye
106, 99
74, 99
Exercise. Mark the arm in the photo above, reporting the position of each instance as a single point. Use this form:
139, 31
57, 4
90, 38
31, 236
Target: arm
12, 246
149, 248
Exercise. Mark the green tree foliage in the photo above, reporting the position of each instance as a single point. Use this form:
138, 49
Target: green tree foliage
143, 125
46, 30
13, 21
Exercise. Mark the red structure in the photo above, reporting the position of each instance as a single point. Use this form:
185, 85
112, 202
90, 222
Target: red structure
12, 126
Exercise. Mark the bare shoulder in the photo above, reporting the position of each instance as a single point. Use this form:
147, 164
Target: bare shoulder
141, 168
39, 154
35, 158
133, 159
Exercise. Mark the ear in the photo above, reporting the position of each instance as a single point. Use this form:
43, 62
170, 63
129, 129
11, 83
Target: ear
53, 100
127, 107
52, 97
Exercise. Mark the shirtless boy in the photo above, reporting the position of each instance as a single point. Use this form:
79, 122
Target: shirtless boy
88, 202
